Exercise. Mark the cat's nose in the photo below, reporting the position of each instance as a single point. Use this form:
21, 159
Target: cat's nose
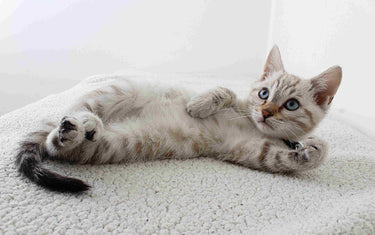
266, 113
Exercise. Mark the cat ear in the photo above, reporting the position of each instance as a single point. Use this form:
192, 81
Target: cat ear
273, 63
326, 84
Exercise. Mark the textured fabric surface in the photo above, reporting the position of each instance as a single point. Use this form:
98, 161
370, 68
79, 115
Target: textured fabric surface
196, 196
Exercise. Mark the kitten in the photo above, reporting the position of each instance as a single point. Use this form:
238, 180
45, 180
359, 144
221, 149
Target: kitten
126, 122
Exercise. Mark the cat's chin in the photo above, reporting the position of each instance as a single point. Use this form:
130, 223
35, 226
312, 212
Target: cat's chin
267, 129
263, 126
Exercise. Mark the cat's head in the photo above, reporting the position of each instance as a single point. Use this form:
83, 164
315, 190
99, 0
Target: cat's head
285, 106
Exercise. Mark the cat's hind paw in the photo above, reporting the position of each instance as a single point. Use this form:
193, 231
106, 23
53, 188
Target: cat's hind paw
93, 126
70, 131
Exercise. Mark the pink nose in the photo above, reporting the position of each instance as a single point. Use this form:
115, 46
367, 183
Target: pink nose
266, 113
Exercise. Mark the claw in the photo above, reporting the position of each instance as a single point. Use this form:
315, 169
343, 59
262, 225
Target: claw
305, 156
314, 147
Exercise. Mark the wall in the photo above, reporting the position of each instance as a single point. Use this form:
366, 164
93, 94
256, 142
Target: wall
81, 38
47, 46
314, 35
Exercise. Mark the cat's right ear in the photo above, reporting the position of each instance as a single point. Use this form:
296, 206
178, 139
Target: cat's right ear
274, 62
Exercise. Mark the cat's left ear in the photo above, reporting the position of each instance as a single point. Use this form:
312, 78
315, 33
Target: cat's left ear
274, 62
325, 85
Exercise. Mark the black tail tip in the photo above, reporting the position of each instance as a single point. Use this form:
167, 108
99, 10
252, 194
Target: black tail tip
63, 184
29, 165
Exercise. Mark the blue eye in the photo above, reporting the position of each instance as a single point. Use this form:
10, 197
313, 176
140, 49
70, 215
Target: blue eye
264, 93
291, 105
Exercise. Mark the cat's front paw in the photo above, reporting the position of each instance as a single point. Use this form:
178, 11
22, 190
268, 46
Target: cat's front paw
200, 107
209, 103
310, 154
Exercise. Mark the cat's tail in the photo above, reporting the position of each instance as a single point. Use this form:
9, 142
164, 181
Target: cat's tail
28, 162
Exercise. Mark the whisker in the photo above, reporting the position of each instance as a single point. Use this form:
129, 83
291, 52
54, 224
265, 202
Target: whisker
291, 131
285, 132
239, 117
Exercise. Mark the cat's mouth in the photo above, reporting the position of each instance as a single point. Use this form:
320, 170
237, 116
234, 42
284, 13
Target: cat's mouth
263, 124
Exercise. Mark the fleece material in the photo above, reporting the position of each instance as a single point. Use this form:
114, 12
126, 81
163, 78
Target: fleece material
197, 196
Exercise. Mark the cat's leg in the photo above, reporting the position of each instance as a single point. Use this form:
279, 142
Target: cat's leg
309, 154
269, 156
209, 103
72, 131
112, 102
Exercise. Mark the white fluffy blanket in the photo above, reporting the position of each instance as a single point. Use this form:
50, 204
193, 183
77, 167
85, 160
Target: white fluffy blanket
197, 196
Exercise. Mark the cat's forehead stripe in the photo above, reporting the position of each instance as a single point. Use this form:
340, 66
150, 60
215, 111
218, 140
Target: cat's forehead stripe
292, 91
284, 85
278, 82
288, 81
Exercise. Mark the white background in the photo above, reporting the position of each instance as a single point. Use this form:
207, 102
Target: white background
48, 46
314, 35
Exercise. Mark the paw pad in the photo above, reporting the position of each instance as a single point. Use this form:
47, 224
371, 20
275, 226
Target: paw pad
66, 125
69, 129
90, 135
300, 156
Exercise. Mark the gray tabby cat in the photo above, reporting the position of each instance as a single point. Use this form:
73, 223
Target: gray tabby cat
126, 122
